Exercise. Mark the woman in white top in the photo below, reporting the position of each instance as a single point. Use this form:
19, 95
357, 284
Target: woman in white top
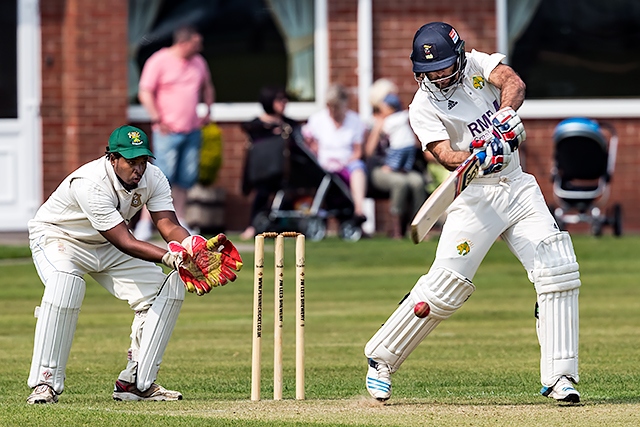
335, 135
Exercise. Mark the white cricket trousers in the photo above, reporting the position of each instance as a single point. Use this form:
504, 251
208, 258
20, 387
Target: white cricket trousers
511, 207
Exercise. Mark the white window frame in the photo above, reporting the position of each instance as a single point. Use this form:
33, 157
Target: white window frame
563, 108
242, 111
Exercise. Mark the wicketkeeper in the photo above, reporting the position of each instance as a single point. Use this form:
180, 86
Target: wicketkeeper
466, 103
82, 229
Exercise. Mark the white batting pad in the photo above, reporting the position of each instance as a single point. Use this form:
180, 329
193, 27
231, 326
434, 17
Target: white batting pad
57, 320
156, 330
557, 279
444, 290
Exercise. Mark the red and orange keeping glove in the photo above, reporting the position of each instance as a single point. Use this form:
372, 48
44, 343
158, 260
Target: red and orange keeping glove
204, 264
179, 259
217, 258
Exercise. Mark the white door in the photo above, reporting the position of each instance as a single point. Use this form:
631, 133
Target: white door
20, 124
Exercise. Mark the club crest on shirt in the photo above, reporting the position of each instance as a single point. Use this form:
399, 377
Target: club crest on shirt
135, 138
136, 201
478, 82
464, 247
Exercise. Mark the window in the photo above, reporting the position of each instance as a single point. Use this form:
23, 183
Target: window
9, 64
569, 51
247, 44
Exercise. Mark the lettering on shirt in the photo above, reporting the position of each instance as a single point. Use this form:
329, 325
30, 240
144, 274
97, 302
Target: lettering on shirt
480, 125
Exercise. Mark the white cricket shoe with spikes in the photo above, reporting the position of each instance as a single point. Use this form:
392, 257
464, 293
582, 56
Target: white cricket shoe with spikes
379, 380
128, 391
562, 391
43, 393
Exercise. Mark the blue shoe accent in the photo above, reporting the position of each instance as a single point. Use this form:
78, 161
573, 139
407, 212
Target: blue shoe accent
376, 384
562, 391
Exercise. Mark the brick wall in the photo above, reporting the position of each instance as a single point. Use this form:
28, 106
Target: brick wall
84, 81
394, 24
84, 87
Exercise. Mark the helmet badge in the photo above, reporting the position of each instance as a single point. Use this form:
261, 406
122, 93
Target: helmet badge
453, 35
430, 51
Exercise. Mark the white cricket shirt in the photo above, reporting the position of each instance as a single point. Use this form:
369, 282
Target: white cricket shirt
92, 199
465, 116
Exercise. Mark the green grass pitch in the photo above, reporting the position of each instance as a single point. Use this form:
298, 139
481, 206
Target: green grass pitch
478, 368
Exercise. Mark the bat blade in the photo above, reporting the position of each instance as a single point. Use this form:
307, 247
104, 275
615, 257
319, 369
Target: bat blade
438, 202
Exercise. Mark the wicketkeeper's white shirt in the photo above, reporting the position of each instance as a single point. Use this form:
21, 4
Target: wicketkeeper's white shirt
465, 116
92, 199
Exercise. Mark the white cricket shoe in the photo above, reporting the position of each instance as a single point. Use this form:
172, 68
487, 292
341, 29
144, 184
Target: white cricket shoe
42, 394
128, 391
379, 380
562, 391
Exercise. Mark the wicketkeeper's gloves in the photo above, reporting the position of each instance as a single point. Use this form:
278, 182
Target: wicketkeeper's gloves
204, 264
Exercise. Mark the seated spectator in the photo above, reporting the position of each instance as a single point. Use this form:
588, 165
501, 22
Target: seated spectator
271, 122
391, 152
401, 153
335, 135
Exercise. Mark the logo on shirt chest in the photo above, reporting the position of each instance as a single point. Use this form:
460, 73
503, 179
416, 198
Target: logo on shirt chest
478, 82
136, 201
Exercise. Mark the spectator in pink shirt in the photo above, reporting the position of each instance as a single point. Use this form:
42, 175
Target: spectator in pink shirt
174, 80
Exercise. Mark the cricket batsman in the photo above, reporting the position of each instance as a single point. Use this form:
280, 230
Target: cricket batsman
466, 103
82, 229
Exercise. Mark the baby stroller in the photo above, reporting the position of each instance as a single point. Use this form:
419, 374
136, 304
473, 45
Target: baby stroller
584, 163
308, 197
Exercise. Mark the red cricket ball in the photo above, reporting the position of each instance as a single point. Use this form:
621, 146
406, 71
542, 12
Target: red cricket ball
421, 309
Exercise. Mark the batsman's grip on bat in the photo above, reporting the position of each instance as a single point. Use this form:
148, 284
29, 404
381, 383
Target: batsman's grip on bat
204, 264
494, 153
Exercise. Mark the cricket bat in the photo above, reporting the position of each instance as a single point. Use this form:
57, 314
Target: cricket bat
438, 202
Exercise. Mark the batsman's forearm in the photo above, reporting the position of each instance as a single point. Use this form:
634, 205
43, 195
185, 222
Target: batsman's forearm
445, 155
512, 94
512, 88
453, 159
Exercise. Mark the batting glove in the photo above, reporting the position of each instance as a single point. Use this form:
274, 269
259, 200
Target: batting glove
508, 124
179, 259
217, 258
494, 156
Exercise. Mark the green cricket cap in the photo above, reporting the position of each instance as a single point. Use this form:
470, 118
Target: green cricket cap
130, 142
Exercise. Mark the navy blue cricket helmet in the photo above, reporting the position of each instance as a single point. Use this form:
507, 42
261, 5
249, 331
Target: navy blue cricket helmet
436, 46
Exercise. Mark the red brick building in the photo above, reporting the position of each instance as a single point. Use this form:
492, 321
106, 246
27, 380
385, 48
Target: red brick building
84, 52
